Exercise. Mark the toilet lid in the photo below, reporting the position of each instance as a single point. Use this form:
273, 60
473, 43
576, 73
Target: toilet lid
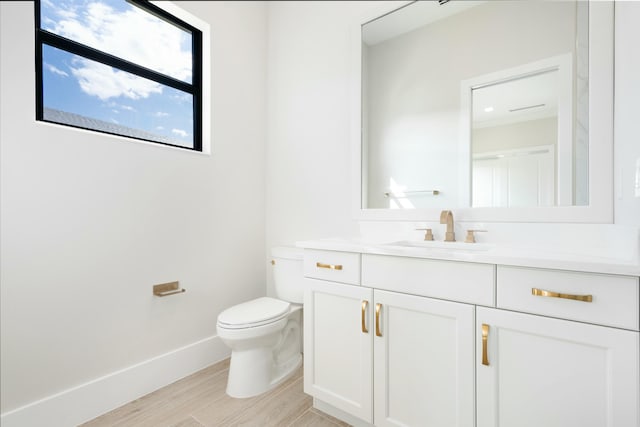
259, 311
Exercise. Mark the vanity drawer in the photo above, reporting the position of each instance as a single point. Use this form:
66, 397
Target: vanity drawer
467, 282
334, 266
614, 299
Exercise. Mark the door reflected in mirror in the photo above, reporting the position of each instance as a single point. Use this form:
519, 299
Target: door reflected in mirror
476, 104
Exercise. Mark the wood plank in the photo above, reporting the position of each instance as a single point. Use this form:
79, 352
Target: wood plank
329, 417
313, 419
278, 410
188, 422
228, 408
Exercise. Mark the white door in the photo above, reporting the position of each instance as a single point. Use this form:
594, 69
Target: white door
424, 362
338, 346
538, 371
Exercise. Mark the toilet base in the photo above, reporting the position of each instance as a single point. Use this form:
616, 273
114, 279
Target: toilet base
287, 370
248, 378
263, 357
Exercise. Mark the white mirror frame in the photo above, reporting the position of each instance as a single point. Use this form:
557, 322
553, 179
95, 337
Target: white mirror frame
564, 165
600, 208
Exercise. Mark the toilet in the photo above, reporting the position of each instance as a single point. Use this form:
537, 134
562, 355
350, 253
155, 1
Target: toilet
265, 334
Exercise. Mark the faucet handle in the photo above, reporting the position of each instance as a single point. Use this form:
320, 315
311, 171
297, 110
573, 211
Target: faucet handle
470, 237
428, 235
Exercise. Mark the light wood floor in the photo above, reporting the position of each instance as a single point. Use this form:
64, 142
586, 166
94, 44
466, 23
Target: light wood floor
200, 400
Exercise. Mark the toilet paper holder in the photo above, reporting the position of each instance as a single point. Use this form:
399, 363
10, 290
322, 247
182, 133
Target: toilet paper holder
166, 289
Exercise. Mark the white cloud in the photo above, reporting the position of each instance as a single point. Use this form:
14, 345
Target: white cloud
67, 13
132, 34
47, 23
160, 127
104, 82
180, 132
112, 104
182, 97
160, 114
56, 70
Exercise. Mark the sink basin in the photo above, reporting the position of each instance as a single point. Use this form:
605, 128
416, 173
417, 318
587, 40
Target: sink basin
436, 245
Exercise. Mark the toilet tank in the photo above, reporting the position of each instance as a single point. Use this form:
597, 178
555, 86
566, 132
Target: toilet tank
287, 273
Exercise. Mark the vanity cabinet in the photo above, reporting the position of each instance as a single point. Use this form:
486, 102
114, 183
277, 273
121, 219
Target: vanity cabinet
388, 358
337, 353
423, 361
537, 371
407, 341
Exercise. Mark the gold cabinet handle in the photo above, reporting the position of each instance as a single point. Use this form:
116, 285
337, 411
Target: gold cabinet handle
542, 293
378, 308
364, 317
329, 266
485, 340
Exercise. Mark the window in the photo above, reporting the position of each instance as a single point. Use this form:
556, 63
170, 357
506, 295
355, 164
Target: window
123, 67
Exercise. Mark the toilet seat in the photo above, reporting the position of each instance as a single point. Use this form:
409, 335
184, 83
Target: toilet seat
254, 313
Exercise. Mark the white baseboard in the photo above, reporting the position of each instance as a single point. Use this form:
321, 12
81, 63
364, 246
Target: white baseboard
87, 401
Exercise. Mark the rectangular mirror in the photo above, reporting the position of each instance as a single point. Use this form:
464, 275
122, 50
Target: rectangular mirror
499, 110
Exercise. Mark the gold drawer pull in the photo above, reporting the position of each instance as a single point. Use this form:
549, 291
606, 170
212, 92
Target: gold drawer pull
542, 293
485, 339
378, 332
329, 266
364, 317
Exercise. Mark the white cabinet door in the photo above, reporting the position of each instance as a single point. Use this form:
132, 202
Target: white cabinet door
424, 362
554, 373
338, 348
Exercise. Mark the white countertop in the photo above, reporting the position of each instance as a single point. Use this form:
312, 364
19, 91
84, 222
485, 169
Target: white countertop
501, 255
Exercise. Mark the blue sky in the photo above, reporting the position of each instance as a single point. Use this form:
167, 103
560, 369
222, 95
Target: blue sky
80, 86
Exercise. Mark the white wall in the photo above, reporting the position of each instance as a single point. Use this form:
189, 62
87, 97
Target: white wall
90, 222
308, 149
515, 135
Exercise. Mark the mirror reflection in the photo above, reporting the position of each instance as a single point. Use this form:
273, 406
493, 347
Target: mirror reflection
514, 139
476, 103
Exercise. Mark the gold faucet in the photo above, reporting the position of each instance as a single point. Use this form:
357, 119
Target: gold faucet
446, 217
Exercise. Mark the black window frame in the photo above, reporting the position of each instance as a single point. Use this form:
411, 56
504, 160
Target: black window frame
44, 37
